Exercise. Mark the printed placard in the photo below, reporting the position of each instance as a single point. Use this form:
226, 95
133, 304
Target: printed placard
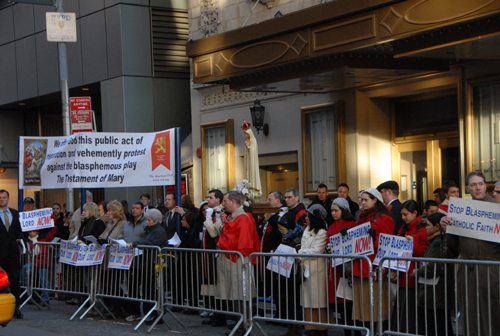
75, 254
97, 160
36, 219
120, 257
390, 246
282, 264
474, 219
357, 241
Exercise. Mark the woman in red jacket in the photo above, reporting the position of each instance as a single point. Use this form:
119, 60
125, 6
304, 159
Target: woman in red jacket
413, 229
342, 221
374, 212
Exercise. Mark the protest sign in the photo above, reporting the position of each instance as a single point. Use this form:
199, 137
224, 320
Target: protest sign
75, 254
474, 219
97, 160
36, 219
282, 264
357, 241
120, 257
390, 246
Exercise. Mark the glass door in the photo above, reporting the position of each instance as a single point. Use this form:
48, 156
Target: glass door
422, 166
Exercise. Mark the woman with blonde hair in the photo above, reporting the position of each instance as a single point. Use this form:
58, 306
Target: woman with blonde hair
91, 225
114, 229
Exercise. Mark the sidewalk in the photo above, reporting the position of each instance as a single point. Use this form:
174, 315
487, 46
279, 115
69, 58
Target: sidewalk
55, 321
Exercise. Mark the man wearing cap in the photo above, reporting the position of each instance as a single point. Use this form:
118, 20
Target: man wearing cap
10, 232
28, 204
390, 192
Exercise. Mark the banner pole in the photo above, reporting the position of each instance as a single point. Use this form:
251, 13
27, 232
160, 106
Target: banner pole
20, 192
178, 172
63, 80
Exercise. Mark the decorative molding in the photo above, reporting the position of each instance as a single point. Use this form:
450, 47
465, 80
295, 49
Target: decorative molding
209, 17
223, 97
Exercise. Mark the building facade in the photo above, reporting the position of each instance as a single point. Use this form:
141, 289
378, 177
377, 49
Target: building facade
354, 91
129, 58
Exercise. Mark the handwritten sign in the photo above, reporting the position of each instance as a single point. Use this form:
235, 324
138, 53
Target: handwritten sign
474, 219
75, 254
36, 219
357, 241
120, 257
282, 264
390, 246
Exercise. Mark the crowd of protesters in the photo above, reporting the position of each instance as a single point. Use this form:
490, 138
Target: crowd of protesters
224, 222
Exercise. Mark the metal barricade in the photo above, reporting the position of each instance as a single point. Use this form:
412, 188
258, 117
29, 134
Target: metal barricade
24, 277
207, 280
315, 291
47, 275
440, 296
141, 284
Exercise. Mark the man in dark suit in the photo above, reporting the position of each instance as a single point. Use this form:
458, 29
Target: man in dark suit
172, 221
10, 232
390, 193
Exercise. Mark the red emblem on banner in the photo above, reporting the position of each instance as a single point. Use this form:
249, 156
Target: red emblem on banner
160, 150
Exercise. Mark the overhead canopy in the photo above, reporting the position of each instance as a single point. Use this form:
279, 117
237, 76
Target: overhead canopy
362, 42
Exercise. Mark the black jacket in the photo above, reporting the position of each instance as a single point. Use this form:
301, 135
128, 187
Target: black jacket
327, 204
154, 236
91, 227
395, 212
9, 248
271, 236
353, 206
172, 224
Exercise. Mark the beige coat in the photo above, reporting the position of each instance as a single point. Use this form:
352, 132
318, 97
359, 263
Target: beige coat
114, 230
314, 286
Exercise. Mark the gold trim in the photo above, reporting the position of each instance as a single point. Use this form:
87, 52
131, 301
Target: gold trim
371, 21
203, 67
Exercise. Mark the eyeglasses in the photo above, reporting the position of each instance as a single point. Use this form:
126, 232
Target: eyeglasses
56, 208
496, 191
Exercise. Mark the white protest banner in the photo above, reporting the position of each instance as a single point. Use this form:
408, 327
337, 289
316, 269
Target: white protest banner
75, 254
97, 160
36, 219
282, 265
474, 219
357, 241
390, 246
120, 257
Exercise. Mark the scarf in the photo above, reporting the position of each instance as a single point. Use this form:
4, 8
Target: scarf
36, 249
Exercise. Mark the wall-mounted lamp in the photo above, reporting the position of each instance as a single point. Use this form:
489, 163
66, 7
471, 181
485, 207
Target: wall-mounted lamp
257, 111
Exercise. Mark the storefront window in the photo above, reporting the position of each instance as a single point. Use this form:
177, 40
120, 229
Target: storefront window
487, 130
217, 154
320, 142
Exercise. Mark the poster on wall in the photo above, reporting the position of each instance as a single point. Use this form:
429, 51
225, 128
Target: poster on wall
97, 160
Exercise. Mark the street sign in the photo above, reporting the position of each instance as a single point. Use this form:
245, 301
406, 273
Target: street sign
61, 27
81, 114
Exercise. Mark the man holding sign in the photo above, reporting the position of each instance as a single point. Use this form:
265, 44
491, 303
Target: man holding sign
467, 246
